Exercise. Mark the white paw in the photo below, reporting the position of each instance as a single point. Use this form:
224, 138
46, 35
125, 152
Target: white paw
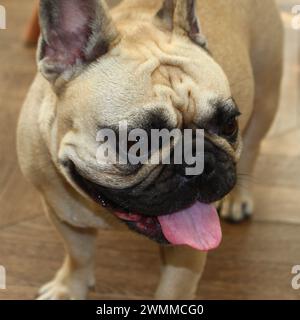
67, 286
237, 206
56, 291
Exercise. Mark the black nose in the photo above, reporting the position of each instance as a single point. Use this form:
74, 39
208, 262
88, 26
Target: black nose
209, 166
210, 162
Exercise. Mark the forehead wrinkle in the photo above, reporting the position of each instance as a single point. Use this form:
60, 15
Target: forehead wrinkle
176, 80
166, 76
172, 84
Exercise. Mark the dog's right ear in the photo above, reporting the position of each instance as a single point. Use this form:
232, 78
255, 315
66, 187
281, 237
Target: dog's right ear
166, 13
74, 34
181, 17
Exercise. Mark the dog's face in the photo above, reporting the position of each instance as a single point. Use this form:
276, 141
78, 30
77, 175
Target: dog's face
154, 74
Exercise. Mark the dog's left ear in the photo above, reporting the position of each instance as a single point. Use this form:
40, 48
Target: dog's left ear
74, 33
181, 16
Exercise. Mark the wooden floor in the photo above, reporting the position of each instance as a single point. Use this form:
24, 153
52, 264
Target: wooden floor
255, 258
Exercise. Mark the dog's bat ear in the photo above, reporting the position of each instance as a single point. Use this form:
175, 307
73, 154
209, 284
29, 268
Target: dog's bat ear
74, 33
181, 16
166, 13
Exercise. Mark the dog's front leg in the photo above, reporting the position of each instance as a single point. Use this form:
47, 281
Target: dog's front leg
76, 275
181, 271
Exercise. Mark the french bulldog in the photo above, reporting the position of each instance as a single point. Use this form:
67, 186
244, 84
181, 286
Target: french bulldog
210, 65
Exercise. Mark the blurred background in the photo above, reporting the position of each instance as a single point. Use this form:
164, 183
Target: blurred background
255, 259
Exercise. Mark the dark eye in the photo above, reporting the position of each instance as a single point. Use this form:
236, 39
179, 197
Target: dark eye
230, 128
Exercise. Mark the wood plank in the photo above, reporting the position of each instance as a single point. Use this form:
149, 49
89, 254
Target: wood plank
253, 262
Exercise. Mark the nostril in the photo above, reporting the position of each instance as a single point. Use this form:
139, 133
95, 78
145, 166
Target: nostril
209, 164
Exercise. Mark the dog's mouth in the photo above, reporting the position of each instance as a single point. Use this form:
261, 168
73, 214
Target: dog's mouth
197, 226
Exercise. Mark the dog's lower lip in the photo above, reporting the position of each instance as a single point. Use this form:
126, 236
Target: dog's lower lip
84, 184
148, 226
128, 216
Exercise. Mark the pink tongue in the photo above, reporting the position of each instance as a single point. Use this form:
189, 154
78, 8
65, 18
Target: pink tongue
198, 227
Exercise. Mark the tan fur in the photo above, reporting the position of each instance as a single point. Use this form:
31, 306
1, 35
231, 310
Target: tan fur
148, 66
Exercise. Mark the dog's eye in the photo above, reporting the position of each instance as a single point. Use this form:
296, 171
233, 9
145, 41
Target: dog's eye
230, 129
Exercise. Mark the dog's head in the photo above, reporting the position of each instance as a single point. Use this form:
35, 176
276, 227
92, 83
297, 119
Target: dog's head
153, 69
